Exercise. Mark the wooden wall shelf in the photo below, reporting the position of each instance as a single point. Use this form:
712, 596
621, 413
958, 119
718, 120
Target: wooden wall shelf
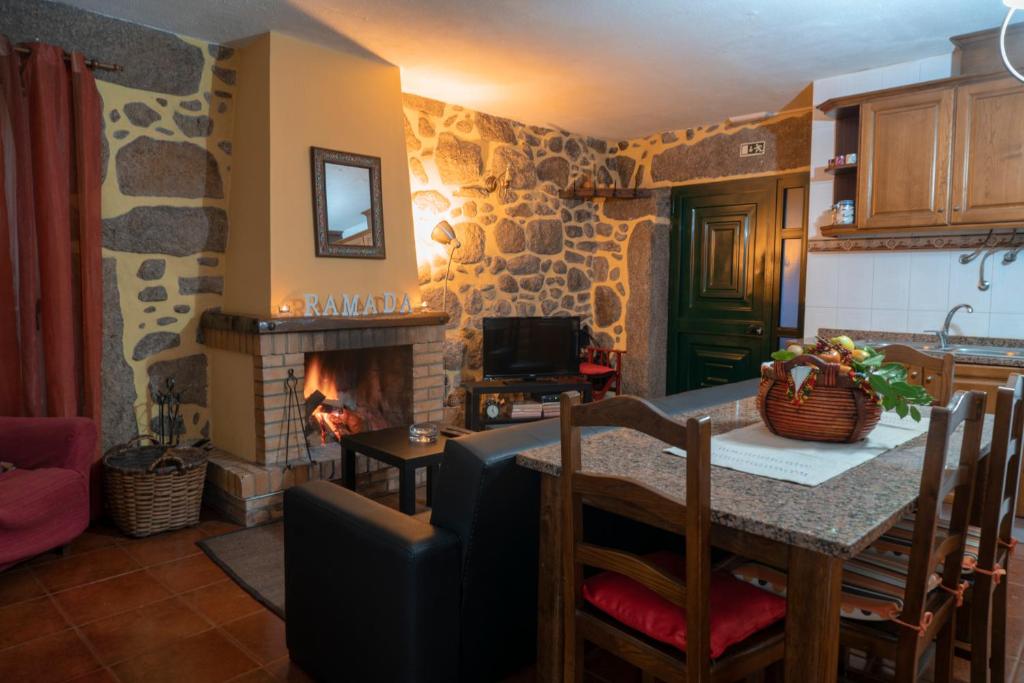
839, 170
603, 193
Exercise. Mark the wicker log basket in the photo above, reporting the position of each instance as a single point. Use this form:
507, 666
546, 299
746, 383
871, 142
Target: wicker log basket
154, 488
829, 405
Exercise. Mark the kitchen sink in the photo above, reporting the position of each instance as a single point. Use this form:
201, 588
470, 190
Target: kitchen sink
994, 351
964, 349
990, 351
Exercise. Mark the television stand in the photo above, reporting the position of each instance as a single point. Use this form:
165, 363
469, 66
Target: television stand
475, 390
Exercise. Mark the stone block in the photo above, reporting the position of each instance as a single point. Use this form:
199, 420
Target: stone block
149, 167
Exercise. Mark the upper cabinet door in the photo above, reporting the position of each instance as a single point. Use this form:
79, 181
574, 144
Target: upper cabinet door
988, 177
903, 176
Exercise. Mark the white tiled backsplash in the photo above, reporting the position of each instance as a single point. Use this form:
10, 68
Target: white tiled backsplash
898, 291
911, 292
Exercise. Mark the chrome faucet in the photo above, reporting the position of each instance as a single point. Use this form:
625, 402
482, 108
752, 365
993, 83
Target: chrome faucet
943, 334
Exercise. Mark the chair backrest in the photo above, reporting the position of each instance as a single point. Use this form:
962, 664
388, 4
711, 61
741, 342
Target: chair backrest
1002, 473
934, 373
630, 498
937, 482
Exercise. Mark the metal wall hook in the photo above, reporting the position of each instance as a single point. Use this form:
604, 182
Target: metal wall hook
967, 258
1011, 255
984, 284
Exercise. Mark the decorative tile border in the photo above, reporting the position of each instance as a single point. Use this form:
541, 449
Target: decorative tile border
913, 242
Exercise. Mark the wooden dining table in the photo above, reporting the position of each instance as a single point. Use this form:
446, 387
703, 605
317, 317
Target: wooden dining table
807, 531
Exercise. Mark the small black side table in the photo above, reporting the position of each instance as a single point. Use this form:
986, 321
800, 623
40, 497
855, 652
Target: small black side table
392, 447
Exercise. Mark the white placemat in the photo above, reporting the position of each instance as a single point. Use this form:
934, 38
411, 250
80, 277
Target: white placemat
755, 450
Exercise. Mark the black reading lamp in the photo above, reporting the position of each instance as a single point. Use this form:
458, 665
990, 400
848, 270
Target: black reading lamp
444, 234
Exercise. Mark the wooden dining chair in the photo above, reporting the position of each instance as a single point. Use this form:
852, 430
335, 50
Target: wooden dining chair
666, 613
928, 598
934, 373
986, 608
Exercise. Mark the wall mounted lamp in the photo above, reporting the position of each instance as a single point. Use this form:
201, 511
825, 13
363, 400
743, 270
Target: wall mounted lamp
1012, 6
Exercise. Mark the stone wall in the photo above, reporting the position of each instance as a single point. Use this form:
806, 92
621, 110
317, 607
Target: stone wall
527, 252
524, 250
167, 161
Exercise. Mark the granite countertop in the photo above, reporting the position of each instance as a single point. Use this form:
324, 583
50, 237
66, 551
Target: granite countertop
869, 336
840, 517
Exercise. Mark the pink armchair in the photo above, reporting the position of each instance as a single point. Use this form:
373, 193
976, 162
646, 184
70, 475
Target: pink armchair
44, 501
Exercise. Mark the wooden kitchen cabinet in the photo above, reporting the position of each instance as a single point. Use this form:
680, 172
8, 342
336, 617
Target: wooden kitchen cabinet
903, 175
987, 378
988, 180
946, 155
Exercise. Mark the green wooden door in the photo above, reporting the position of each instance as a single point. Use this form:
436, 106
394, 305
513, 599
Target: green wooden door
721, 312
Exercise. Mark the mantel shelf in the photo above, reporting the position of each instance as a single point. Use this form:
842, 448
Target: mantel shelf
257, 325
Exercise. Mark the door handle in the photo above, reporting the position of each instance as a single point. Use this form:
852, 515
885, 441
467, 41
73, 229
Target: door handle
756, 329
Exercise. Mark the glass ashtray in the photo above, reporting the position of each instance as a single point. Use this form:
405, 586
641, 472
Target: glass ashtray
423, 432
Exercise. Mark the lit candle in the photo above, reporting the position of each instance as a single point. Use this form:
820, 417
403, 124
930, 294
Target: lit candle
284, 308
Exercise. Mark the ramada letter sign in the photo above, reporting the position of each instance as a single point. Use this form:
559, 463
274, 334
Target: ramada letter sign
351, 305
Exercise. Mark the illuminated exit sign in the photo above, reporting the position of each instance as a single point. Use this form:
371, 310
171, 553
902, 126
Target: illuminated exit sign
752, 149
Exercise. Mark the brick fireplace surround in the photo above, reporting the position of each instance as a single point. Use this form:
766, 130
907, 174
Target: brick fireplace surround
248, 487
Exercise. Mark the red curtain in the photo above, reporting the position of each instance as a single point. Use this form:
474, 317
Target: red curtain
51, 290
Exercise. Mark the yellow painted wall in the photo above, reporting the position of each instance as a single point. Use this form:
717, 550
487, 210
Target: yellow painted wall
232, 402
324, 98
247, 262
180, 313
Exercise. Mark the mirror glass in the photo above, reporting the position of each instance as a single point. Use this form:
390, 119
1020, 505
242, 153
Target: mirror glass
347, 204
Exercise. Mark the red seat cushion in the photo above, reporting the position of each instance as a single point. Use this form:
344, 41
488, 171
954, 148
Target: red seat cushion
738, 610
40, 509
595, 369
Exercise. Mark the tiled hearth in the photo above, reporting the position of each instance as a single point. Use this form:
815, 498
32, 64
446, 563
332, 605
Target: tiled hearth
388, 371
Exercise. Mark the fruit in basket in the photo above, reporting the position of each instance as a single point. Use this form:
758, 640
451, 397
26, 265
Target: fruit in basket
885, 383
844, 341
830, 356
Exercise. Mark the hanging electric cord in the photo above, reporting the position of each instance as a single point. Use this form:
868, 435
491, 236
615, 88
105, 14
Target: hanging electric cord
1013, 6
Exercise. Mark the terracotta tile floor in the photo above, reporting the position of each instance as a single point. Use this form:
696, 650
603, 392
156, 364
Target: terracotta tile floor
118, 609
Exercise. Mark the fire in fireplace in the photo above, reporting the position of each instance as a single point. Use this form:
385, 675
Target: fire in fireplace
357, 390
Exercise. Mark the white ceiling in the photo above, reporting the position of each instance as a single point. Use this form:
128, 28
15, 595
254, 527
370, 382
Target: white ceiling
609, 68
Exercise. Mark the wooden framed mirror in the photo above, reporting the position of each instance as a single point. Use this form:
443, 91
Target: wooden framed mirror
348, 220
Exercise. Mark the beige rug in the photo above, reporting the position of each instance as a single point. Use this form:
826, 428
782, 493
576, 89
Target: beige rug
254, 558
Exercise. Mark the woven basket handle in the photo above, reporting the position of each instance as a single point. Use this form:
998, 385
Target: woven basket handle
121, 447
806, 359
167, 458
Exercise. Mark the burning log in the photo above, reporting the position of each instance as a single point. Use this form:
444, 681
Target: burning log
336, 421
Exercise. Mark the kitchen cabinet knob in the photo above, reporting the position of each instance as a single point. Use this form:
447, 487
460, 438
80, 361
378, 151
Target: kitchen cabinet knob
913, 375
929, 378
956, 208
941, 210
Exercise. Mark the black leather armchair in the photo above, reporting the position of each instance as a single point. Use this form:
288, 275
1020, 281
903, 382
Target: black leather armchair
373, 595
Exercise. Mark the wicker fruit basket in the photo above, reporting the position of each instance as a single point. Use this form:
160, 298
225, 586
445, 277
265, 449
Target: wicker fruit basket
154, 488
820, 401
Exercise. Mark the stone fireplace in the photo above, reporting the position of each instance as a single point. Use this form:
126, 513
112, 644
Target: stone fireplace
285, 390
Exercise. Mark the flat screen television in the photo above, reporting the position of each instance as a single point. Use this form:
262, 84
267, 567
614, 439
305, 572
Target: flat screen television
531, 347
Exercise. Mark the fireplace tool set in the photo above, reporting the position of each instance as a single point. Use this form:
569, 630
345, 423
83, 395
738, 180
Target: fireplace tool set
295, 413
168, 402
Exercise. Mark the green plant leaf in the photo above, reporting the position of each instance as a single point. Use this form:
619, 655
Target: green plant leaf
915, 413
783, 355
